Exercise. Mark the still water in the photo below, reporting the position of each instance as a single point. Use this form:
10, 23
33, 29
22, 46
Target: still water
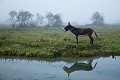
95, 68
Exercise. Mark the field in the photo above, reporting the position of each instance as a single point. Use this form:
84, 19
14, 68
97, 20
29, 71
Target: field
52, 42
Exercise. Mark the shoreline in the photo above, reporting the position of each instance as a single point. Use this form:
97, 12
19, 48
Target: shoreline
68, 51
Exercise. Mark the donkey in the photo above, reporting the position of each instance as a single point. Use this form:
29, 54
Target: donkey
80, 31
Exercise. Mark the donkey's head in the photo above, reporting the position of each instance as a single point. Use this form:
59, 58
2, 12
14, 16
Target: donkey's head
68, 27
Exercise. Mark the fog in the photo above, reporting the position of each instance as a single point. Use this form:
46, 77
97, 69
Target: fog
78, 11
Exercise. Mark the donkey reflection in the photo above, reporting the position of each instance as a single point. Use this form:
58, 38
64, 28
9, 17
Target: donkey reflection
80, 66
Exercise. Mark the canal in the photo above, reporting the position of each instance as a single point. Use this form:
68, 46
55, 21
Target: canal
88, 68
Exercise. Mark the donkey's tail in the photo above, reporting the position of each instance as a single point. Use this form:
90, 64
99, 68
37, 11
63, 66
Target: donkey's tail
95, 34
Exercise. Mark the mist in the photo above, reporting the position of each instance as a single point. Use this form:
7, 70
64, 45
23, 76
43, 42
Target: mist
78, 11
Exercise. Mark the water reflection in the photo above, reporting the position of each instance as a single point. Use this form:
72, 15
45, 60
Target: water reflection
59, 68
80, 66
13, 59
113, 56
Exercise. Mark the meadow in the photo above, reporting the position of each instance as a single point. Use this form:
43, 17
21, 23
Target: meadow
52, 42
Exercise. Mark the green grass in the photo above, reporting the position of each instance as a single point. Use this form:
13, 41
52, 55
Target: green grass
48, 43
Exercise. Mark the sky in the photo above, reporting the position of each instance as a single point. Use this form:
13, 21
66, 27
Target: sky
78, 11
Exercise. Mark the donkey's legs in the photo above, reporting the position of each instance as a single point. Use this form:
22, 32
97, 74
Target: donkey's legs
77, 39
91, 39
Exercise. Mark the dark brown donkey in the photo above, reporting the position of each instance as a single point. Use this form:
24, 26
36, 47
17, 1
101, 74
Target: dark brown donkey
81, 31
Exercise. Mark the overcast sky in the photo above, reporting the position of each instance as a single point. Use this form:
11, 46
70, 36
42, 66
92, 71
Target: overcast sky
79, 11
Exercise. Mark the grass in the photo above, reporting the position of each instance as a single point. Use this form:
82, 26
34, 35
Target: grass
48, 43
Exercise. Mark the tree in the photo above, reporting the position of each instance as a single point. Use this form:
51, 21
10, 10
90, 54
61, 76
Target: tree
26, 19
32, 23
23, 18
50, 19
57, 20
13, 15
97, 19
40, 19
54, 20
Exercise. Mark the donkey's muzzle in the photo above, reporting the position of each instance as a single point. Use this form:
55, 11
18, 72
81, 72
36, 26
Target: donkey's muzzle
65, 29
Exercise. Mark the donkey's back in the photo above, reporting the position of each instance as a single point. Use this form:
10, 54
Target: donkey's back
84, 31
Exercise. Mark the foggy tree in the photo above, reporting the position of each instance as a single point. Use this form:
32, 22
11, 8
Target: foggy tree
23, 18
58, 20
50, 18
40, 19
97, 19
13, 15
31, 23
53, 20
26, 19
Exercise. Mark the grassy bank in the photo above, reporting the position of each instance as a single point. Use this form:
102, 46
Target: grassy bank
46, 43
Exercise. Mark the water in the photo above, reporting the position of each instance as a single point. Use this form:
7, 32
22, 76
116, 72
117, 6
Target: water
98, 68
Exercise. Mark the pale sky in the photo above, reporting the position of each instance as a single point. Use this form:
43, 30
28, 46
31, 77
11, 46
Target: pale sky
79, 11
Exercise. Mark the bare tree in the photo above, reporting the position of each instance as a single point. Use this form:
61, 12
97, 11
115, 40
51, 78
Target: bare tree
58, 20
13, 15
50, 18
97, 19
24, 17
40, 19
54, 20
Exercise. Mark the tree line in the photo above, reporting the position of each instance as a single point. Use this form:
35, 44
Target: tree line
26, 19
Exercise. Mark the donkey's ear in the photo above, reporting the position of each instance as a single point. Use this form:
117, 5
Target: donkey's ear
68, 23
